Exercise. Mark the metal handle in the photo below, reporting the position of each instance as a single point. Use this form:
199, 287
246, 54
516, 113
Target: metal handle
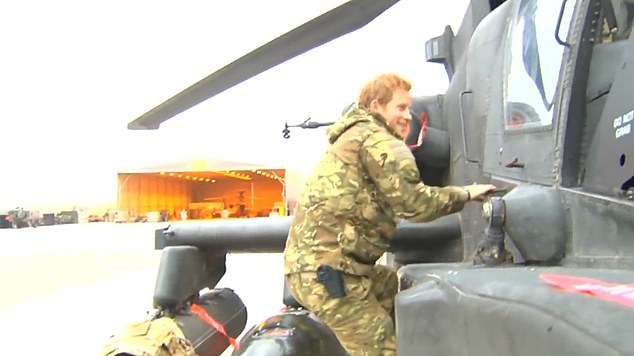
464, 133
561, 15
514, 163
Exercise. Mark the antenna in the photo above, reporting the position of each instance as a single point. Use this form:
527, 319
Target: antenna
307, 124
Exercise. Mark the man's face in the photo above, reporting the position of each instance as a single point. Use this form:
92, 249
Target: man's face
396, 111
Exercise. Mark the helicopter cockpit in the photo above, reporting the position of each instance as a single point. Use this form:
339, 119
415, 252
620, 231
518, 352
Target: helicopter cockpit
531, 66
544, 91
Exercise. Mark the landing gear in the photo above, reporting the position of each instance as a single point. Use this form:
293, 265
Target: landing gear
491, 251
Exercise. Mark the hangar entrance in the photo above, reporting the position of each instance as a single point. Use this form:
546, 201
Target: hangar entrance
200, 194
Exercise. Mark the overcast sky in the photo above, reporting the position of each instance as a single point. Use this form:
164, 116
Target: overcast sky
74, 73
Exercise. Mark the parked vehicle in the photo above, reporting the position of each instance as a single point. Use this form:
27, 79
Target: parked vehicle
94, 218
19, 218
67, 217
5, 220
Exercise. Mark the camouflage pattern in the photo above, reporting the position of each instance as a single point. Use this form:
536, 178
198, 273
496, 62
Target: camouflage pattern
349, 208
156, 337
348, 211
363, 320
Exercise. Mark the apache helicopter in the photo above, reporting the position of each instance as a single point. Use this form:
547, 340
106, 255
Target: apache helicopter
537, 104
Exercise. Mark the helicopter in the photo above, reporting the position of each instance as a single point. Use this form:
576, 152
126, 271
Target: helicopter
538, 105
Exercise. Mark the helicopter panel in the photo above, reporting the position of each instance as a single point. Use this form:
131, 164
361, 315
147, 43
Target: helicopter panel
602, 230
610, 165
509, 311
483, 92
606, 57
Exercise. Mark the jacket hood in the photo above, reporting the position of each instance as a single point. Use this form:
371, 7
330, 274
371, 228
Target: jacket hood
352, 117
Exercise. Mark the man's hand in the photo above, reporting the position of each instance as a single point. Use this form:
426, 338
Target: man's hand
477, 192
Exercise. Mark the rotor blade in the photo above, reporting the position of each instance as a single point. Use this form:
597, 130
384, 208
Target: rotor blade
337, 22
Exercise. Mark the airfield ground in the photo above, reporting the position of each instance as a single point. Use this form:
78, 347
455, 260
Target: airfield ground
66, 288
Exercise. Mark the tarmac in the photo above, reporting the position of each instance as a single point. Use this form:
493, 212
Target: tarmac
67, 288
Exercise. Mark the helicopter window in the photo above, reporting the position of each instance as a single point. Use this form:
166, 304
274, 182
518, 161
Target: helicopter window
532, 66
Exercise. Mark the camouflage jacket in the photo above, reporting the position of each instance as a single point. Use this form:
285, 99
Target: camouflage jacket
349, 208
152, 337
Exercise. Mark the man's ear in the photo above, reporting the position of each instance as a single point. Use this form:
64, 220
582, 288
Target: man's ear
374, 105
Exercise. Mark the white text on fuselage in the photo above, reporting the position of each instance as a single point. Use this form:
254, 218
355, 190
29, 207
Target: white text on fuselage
623, 124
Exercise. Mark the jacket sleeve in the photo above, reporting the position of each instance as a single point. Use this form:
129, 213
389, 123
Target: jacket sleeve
391, 166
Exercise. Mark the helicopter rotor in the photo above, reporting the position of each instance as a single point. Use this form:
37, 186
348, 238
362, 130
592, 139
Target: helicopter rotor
333, 24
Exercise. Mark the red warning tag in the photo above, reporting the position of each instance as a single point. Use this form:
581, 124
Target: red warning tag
204, 316
613, 292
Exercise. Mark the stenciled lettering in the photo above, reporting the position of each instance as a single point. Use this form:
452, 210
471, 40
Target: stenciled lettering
617, 122
622, 131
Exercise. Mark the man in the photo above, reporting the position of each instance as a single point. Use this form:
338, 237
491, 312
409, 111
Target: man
225, 213
349, 208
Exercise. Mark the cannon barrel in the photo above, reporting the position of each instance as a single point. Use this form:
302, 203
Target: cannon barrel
268, 234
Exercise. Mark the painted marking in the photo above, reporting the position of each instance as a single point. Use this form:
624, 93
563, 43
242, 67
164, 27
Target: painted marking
622, 125
612, 292
277, 332
623, 130
617, 122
